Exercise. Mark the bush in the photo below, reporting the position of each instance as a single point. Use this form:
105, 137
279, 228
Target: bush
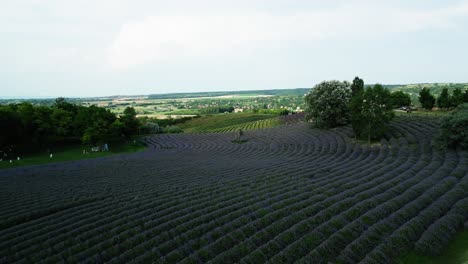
150, 128
454, 129
173, 130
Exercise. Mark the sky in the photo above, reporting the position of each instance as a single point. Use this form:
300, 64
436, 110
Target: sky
51, 48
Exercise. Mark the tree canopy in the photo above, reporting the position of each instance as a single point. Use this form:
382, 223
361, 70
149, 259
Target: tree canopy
334, 103
443, 101
327, 104
426, 99
371, 110
399, 99
457, 97
357, 86
31, 127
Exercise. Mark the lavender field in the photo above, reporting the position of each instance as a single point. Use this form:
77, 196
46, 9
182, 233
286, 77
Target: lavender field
289, 194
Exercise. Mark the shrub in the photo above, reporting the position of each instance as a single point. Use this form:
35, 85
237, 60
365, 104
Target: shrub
173, 130
454, 129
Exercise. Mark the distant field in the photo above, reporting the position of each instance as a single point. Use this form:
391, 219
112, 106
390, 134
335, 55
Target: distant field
259, 124
274, 92
159, 116
221, 121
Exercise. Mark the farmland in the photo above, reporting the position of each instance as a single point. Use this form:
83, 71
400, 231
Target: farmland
227, 122
290, 193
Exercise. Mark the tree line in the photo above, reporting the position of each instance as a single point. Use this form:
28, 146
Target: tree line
370, 109
444, 100
27, 127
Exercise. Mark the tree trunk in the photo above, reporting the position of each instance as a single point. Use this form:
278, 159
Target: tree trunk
368, 136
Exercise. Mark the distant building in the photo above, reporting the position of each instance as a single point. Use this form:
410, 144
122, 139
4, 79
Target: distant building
238, 110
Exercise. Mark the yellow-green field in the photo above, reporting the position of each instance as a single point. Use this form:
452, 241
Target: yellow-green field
228, 122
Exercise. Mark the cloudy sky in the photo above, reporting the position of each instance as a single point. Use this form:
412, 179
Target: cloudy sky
110, 47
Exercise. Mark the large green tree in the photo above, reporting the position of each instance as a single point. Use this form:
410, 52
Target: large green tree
357, 86
371, 110
399, 99
426, 99
62, 122
443, 101
457, 97
10, 127
355, 106
327, 104
129, 121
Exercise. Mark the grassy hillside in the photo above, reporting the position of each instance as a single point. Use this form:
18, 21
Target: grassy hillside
68, 153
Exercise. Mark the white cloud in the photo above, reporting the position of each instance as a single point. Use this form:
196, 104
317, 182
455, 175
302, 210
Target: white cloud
162, 38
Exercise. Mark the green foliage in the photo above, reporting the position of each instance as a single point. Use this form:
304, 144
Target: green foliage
457, 97
150, 128
173, 130
166, 122
358, 123
399, 99
443, 101
426, 99
216, 110
454, 129
27, 128
10, 126
62, 121
358, 86
265, 111
327, 104
371, 110
129, 121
